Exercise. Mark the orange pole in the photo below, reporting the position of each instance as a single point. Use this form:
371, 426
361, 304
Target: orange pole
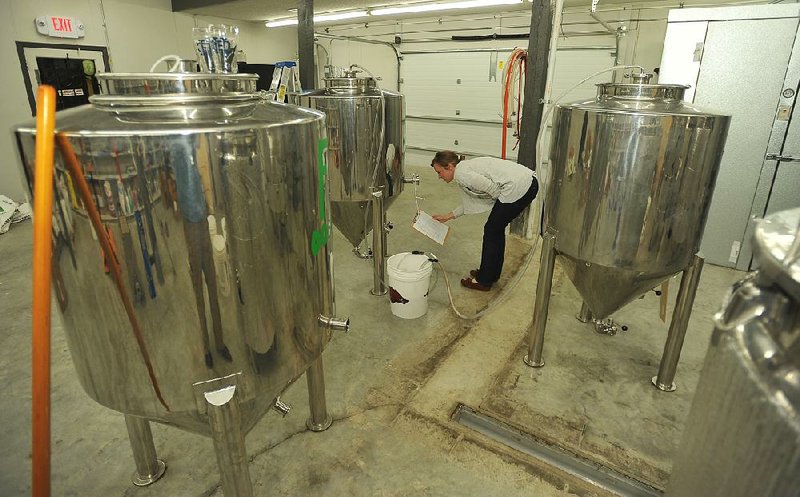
42, 260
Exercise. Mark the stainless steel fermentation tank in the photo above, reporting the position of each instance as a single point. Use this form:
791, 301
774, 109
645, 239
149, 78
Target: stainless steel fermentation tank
366, 158
632, 174
214, 203
742, 436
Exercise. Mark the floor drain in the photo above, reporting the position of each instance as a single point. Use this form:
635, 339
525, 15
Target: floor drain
589, 472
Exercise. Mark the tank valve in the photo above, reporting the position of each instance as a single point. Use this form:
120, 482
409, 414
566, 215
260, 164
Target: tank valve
388, 226
281, 407
335, 324
606, 327
414, 179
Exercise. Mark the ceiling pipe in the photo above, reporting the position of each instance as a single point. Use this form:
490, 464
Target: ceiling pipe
371, 42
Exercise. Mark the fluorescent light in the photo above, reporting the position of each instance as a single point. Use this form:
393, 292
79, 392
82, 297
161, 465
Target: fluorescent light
283, 22
340, 15
336, 16
441, 6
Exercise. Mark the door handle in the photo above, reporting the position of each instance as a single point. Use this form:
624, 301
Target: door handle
783, 158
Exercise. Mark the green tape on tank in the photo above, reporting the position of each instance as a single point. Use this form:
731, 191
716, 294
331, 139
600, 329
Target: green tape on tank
320, 236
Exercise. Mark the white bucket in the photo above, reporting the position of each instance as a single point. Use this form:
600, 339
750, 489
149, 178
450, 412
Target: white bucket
408, 276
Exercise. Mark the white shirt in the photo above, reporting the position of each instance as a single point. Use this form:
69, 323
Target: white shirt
483, 180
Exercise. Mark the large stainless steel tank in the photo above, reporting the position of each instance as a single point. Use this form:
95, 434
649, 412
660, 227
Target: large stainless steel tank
742, 436
215, 202
366, 129
631, 178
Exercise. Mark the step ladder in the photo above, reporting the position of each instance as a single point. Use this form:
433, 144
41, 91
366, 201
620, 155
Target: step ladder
285, 79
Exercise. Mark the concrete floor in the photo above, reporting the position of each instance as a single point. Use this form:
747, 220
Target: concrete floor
392, 386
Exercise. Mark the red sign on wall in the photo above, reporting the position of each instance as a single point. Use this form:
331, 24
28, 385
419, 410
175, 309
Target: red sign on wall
60, 27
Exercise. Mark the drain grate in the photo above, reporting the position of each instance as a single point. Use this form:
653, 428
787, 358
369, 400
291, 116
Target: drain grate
589, 472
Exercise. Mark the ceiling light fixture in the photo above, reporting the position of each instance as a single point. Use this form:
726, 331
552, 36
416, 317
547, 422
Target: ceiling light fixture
335, 16
430, 7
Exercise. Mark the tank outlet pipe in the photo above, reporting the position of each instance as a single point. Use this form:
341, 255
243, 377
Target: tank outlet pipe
379, 229
42, 259
334, 324
281, 407
412, 180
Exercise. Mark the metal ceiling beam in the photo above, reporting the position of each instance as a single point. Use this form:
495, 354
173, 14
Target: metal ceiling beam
542, 14
181, 5
305, 44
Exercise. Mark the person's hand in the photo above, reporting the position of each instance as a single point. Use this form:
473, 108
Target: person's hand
443, 218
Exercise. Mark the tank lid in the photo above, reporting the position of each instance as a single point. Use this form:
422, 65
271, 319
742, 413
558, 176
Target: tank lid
777, 249
350, 82
633, 91
170, 83
171, 97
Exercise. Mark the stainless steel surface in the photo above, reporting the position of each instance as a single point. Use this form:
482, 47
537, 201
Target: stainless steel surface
179, 107
366, 129
677, 326
173, 83
378, 244
741, 435
585, 314
605, 479
225, 420
319, 419
183, 65
632, 174
148, 467
544, 284
221, 229
281, 407
776, 243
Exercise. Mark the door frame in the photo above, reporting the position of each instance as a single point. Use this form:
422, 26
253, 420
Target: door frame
22, 45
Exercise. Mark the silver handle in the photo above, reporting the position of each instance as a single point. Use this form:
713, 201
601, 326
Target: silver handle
783, 158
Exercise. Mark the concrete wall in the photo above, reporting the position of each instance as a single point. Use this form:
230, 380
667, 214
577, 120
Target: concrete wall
136, 34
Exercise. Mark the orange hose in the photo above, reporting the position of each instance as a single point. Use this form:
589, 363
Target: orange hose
42, 260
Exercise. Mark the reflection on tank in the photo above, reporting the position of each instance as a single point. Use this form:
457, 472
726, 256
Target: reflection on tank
631, 178
183, 261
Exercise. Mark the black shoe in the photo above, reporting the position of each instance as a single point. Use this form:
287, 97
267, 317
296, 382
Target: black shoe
225, 353
209, 360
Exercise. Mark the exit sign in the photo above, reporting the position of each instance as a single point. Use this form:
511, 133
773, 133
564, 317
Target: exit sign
59, 27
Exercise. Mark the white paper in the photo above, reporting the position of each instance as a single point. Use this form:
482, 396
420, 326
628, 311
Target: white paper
430, 227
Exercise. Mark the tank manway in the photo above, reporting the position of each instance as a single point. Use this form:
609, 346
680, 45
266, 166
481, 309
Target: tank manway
589, 472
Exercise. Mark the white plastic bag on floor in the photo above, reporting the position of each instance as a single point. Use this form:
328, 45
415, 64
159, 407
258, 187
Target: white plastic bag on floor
12, 212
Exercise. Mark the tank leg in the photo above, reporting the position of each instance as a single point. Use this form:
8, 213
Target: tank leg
319, 420
148, 467
585, 314
543, 287
677, 327
225, 419
378, 243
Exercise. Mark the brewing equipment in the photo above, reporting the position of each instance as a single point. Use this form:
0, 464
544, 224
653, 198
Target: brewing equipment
215, 293
742, 436
632, 174
366, 129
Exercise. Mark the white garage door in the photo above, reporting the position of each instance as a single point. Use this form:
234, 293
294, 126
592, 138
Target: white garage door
453, 99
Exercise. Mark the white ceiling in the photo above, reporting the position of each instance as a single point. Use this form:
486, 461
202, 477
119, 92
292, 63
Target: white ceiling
262, 10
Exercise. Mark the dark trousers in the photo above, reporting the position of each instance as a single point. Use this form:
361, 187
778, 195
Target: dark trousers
494, 235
